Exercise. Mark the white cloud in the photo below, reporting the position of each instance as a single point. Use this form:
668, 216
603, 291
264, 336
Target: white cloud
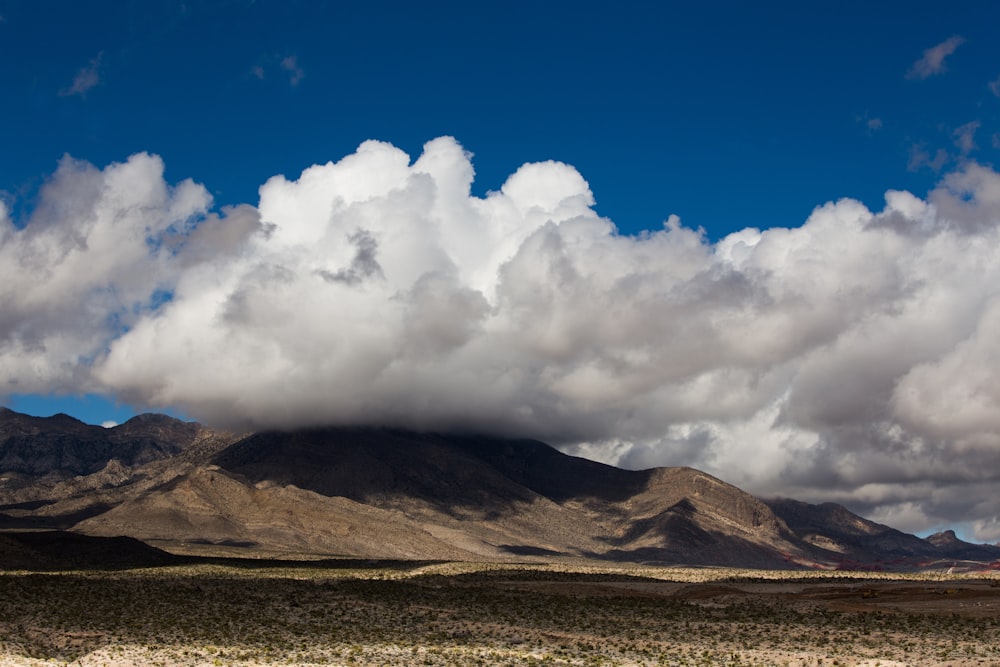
88, 77
848, 359
99, 248
994, 86
932, 62
109, 424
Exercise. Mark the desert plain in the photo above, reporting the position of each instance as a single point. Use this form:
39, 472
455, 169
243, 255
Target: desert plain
354, 613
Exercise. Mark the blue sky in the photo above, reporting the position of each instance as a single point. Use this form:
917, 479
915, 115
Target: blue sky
663, 107
815, 333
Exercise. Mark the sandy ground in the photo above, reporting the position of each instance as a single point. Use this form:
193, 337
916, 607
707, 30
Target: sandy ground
462, 615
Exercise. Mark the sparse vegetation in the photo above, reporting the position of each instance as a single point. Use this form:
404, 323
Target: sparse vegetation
470, 614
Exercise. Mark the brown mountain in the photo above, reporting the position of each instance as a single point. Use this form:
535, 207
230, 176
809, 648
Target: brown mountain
852, 539
63, 446
55, 471
380, 493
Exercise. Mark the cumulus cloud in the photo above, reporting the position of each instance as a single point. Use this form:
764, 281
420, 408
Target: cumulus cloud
851, 358
101, 248
932, 62
88, 77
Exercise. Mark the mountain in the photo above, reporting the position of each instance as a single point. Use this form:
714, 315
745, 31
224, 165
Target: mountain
61, 446
383, 493
855, 540
376, 493
56, 471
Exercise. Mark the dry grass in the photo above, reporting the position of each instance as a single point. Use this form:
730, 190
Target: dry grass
469, 614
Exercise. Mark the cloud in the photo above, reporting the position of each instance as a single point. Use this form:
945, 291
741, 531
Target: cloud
99, 250
291, 65
932, 62
851, 358
994, 86
920, 157
279, 65
88, 77
965, 137
871, 124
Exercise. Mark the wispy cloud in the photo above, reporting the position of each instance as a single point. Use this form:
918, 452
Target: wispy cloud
932, 62
871, 124
920, 157
995, 86
291, 65
279, 65
88, 77
965, 137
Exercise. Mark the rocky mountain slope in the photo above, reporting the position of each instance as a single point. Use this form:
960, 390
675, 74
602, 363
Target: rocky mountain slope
56, 471
834, 528
378, 493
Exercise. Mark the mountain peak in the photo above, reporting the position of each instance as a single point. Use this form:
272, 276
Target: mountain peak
945, 538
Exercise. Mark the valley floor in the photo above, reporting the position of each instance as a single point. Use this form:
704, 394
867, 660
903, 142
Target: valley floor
466, 614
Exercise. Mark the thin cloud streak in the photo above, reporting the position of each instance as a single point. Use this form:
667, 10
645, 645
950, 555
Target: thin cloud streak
851, 358
932, 62
87, 78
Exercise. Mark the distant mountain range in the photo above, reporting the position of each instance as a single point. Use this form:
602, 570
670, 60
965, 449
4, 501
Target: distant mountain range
389, 494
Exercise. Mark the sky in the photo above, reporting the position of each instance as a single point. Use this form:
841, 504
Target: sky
760, 239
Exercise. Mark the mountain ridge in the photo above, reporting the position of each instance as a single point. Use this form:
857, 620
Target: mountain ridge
390, 493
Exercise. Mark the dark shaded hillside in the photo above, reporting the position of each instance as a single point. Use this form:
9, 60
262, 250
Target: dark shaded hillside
60, 550
62, 445
374, 466
531, 463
